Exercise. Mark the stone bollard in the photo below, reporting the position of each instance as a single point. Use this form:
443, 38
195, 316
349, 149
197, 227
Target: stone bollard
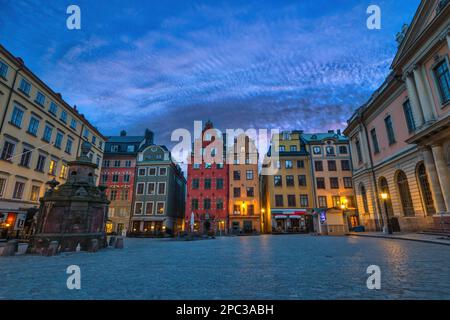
112, 241
118, 243
93, 246
52, 249
10, 248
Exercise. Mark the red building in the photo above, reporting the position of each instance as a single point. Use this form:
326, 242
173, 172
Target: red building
118, 174
207, 187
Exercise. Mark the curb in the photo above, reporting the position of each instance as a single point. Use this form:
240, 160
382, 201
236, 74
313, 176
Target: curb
398, 238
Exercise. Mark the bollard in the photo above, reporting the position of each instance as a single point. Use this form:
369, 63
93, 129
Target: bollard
93, 245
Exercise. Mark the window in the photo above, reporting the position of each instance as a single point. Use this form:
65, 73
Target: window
47, 133
94, 140
236, 175
53, 108
208, 166
33, 126
293, 148
302, 180
290, 181
426, 189
236, 192
73, 122
320, 182
17, 116
25, 158
152, 172
219, 204
207, 204
162, 171
358, 150
304, 201
348, 182
318, 165
195, 184
207, 184
40, 98
345, 165
237, 209
322, 202
113, 195
278, 200
141, 171
117, 164
52, 168
317, 150
25, 87
334, 183
63, 174
336, 200
300, 163
35, 190
3, 69
407, 110
18, 190
330, 150
250, 192
151, 186
124, 194
219, 183
40, 163
249, 174
161, 188
8, 151
128, 163
104, 178
277, 181
196, 166
194, 204
219, 166
138, 207
389, 130
288, 164
130, 148
291, 200
58, 140
63, 118
126, 178
343, 150
281, 148
106, 163
443, 80
149, 208
332, 165
2, 186
86, 133
115, 178
140, 188
250, 209
405, 194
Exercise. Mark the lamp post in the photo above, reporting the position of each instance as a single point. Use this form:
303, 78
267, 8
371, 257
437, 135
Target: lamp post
343, 207
384, 197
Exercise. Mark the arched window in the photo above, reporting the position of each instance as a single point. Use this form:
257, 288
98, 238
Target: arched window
384, 188
425, 189
405, 194
362, 190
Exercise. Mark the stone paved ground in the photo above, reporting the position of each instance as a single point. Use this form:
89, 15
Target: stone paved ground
264, 267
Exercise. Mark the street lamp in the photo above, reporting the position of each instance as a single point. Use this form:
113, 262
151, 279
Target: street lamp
384, 197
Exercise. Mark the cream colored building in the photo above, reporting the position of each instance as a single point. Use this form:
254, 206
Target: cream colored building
39, 134
400, 139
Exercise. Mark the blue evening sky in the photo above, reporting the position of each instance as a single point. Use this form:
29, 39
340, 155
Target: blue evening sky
304, 64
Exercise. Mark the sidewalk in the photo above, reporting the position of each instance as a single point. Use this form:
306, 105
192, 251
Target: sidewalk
428, 238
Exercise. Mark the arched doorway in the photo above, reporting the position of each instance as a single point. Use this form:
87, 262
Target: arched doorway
384, 188
363, 192
405, 194
425, 189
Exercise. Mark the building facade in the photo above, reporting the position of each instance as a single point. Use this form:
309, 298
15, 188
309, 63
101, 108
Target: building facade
332, 183
39, 134
118, 175
400, 138
160, 190
244, 192
208, 184
287, 196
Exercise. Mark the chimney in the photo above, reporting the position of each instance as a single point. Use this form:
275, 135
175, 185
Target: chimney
148, 137
123, 133
330, 131
338, 131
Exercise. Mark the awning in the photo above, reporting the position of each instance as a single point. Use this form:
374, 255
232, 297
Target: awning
280, 217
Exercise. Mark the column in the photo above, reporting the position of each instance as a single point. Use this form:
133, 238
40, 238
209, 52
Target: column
448, 41
433, 180
423, 95
442, 172
414, 100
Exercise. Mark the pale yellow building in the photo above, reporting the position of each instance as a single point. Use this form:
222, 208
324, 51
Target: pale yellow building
39, 134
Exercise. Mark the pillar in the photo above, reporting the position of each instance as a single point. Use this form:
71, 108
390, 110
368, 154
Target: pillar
414, 100
448, 40
423, 95
433, 179
442, 172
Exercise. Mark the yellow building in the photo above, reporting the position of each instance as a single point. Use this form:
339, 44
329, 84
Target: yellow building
287, 196
244, 195
39, 134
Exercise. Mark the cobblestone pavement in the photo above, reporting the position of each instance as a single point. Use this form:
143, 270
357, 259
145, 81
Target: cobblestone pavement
264, 267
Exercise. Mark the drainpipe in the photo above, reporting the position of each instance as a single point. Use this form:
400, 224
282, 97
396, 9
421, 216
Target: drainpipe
9, 97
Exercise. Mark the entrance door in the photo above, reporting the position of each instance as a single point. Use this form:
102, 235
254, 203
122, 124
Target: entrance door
248, 226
